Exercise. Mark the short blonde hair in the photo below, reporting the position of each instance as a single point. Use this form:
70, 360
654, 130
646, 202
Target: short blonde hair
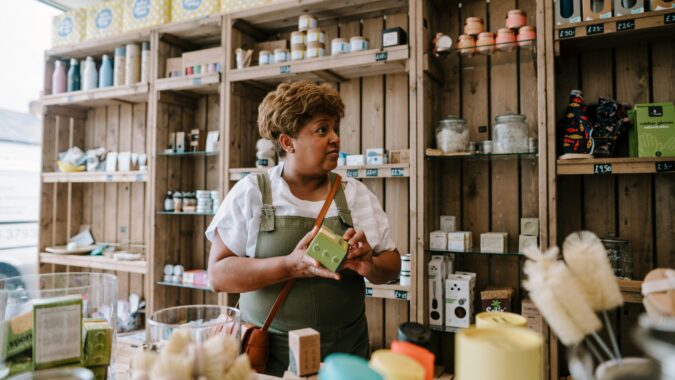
287, 109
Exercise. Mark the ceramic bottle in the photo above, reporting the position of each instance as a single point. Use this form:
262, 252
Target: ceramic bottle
90, 79
105, 78
59, 78
74, 75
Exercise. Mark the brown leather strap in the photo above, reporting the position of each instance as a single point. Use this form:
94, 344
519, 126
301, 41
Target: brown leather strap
289, 284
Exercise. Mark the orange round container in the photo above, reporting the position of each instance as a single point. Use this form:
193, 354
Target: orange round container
419, 354
515, 19
473, 26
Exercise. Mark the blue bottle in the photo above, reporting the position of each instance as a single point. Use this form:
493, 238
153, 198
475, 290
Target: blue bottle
105, 74
74, 75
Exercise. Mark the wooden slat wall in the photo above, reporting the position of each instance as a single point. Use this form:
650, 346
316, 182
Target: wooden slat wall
636, 207
484, 195
376, 116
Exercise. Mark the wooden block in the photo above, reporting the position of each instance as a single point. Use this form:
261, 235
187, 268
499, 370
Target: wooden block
304, 350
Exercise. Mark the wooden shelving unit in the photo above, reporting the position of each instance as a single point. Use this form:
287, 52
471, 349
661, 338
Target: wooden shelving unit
364, 171
204, 84
94, 177
136, 93
95, 262
622, 165
185, 213
99, 46
388, 291
630, 24
186, 286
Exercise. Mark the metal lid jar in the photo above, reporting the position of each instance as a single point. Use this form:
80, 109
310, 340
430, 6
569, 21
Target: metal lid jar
619, 255
452, 136
510, 134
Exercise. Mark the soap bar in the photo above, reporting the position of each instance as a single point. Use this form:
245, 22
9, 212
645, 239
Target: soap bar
304, 351
494, 242
19, 335
525, 241
448, 223
438, 241
529, 226
97, 342
57, 331
328, 248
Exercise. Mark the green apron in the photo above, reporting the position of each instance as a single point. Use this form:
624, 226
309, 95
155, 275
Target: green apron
336, 309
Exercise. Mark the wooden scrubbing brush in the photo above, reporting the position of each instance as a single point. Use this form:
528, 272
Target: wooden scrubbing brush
173, 367
178, 342
558, 296
658, 290
141, 365
220, 352
240, 370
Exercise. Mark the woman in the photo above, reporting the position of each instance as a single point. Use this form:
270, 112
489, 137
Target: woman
261, 231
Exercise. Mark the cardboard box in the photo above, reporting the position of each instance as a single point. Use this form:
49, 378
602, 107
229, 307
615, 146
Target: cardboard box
17, 335
399, 156
529, 226
227, 6
182, 10
494, 242
105, 19
496, 299
655, 129
525, 241
375, 156
97, 343
69, 27
174, 67
459, 293
437, 275
536, 323
448, 223
603, 13
620, 10
438, 241
304, 351
574, 15
57, 331
145, 13
355, 160
203, 57
460, 241
659, 5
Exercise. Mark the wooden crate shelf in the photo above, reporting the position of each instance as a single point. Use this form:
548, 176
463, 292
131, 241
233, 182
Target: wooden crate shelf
284, 14
185, 213
622, 165
389, 291
193, 33
631, 290
99, 46
476, 252
204, 84
331, 68
95, 262
135, 93
186, 286
189, 154
87, 177
661, 22
361, 171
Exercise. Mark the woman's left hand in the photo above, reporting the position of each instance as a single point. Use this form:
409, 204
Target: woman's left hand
360, 254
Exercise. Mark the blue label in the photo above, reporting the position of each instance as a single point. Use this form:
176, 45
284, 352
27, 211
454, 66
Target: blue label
191, 5
65, 27
104, 18
141, 9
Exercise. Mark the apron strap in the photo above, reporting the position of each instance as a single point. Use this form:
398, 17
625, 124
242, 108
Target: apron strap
341, 203
267, 216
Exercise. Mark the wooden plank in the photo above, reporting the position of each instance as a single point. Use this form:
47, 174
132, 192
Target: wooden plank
199, 182
174, 184
375, 316
47, 191
569, 206
186, 254
61, 198
112, 144
635, 220
160, 229
124, 210
663, 73
213, 173
95, 262
98, 198
138, 225
75, 191
350, 91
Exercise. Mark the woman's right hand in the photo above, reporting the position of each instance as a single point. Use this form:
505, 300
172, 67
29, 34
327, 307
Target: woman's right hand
299, 264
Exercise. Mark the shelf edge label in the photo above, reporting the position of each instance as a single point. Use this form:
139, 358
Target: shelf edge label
625, 25
285, 69
369, 292
567, 32
665, 166
602, 169
397, 172
372, 172
595, 29
197, 81
352, 173
400, 294
669, 18
381, 56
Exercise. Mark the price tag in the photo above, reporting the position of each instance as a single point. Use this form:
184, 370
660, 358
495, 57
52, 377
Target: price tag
197, 81
665, 166
397, 172
371, 172
352, 173
567, 33
595, 29
381, 56
139, 178
400, 295
602, 169
669, 18
369, 292
285, 69
109, 178
69, 99
625, 25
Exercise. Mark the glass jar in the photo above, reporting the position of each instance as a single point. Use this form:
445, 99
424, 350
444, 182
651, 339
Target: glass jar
619, 256
452, 136
510, 134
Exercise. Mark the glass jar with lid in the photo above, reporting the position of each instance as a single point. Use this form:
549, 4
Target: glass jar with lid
619, 255
510, 134
452, 136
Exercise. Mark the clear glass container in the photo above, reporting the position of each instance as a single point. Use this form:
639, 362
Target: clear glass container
619, 256
510, 134
203, 322
98, 292
452, 136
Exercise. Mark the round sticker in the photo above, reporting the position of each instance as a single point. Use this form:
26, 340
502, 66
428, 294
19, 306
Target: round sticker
141, 8
104, 18
192, 5
65, 27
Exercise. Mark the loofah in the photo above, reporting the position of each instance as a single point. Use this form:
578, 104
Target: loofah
172, 367
240, 370
587, 258
141, 365
178, 342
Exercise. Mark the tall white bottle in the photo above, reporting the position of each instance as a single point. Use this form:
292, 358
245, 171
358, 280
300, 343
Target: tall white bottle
133, 62
119, 67
90, 78
145, 61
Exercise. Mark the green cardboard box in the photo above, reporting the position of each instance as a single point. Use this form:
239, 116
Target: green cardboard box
655, 128
57, 331
19, 364
97, 343
328, 248
16, 335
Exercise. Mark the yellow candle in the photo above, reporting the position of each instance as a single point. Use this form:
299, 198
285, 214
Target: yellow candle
504, 353
499, 319
395, 366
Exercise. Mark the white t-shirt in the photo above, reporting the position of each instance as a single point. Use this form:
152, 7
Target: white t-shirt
238, 218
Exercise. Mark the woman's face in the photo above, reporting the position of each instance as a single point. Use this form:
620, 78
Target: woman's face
317, 145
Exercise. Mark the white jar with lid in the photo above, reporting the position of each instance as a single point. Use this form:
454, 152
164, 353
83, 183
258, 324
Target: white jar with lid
298, 38
339, 46
306, 22
358, 43
298, 53
316, 35
510, 134
280, 55
452, 136
264, 57
315, 50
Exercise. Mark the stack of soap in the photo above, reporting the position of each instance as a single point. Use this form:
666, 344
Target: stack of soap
97, 346
529, 233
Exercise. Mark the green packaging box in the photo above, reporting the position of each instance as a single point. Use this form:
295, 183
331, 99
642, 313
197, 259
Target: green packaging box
20, 364
97, 344
57, 331
328, 248
100, 372
655, 129
16, 335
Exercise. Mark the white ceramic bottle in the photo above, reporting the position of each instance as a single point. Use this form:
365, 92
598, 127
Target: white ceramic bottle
133, 62
90, 78
119, 67
59, 78
145, 61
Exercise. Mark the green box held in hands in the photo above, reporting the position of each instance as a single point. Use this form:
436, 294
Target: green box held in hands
328, 248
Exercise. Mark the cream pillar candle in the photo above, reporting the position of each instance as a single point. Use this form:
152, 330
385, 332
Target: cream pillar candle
499, 319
